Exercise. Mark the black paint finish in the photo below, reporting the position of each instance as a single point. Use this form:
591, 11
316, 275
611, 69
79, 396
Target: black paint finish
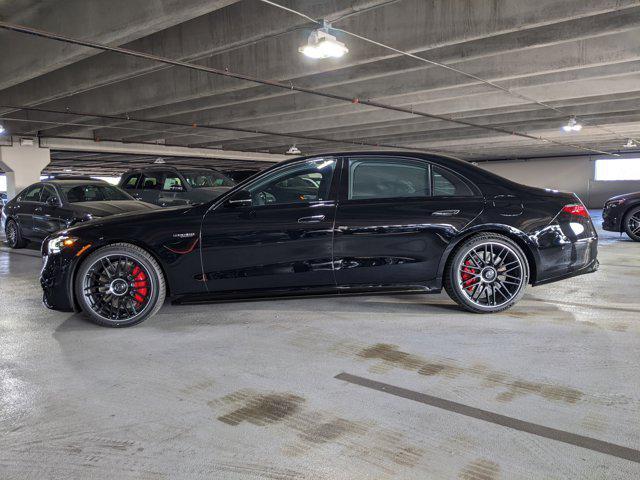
221, 249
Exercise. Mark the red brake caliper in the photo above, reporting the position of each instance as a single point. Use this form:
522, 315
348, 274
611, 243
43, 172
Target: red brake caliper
140, 283
468, 278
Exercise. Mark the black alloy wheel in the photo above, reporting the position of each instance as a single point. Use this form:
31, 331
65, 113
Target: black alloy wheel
632, 224
120, 286
14, 236
488, 273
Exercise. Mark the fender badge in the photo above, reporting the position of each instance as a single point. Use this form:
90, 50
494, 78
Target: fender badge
184, 235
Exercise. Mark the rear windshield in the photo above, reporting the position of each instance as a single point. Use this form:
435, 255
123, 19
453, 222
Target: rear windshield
207, 179
93, 193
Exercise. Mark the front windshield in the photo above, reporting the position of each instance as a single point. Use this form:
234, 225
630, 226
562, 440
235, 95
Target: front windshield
93, 193
207, 179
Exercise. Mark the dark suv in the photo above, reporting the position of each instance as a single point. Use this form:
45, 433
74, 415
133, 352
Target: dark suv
170, 186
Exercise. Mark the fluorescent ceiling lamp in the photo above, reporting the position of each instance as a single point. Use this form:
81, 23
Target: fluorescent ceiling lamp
572, 125
630, 143
293, 150
1, 129
610, 169
323, 45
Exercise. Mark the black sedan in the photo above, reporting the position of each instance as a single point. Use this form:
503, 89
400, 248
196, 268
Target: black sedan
51, 205
622, 214
353, 222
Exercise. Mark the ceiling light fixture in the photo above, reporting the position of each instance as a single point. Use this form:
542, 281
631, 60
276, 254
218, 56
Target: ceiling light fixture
1, 129
572, 125
630, 143
321, 44
293, 150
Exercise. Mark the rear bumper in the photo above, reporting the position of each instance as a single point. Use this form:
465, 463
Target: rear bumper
568, 260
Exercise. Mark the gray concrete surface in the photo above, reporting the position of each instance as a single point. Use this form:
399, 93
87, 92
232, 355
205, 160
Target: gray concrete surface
246, 390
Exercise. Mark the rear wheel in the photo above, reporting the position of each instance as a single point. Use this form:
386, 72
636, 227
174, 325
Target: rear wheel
488, 273
14, 235
632, 224
120, 285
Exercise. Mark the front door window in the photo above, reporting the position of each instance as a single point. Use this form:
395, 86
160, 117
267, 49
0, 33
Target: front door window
302, 183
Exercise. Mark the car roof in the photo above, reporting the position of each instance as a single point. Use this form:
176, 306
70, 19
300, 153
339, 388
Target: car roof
71, 182
170, 167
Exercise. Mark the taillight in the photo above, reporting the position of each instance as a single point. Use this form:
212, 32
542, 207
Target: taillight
576, 209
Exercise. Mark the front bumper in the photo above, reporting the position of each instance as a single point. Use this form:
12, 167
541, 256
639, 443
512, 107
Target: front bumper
57, 274
612, 218
56, 279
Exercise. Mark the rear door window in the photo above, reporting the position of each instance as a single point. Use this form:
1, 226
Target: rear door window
131, 181
152, 181
388, 177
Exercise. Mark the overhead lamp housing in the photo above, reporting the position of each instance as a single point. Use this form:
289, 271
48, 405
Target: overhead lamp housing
572, 125
630, 143
322, 44
293, 150
1, 129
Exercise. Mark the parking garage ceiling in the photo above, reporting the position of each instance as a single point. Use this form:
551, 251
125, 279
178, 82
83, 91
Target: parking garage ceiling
514, 66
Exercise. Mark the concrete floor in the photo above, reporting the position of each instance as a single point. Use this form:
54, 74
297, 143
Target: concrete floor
246, 390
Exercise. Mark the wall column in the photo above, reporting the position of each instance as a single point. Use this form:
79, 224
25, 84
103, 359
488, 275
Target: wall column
23, 165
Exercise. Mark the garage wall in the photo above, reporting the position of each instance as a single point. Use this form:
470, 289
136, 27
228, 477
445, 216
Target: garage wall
573, 174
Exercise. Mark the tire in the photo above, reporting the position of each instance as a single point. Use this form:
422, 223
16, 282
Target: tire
124, 285
632, 224
487, 273
14, 235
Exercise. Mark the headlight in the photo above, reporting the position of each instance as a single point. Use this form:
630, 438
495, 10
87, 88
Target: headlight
57, 244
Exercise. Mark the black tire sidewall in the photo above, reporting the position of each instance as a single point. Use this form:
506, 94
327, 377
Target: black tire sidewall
138, 255
19, 243
627, 230
454, 290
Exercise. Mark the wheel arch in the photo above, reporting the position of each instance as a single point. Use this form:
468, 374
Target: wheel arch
519, 237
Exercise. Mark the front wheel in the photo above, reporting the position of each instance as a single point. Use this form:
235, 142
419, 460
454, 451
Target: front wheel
632, 224
488, 273
120, 285
14, 235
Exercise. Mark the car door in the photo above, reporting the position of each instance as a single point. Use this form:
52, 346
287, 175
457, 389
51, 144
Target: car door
151, 186
396, 217
25, 207
131, 183
275, 234
46, 218
173, 192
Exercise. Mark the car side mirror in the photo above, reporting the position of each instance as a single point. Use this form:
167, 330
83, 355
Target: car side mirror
53, 202
240, 199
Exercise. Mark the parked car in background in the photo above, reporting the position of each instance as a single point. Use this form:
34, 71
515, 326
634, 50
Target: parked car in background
3, 200
345, 222
240, 175
622, 214
51, 205
172, 186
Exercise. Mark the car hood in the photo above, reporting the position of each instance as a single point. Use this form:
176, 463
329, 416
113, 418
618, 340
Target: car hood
112, 207
152, 214
626, 196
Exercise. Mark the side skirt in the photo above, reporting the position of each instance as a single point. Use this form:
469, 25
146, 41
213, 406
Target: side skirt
309, 292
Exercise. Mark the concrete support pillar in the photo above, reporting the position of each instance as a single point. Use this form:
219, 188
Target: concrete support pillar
23, 164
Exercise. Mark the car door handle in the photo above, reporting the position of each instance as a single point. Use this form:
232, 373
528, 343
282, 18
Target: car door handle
445, 213
312, 219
